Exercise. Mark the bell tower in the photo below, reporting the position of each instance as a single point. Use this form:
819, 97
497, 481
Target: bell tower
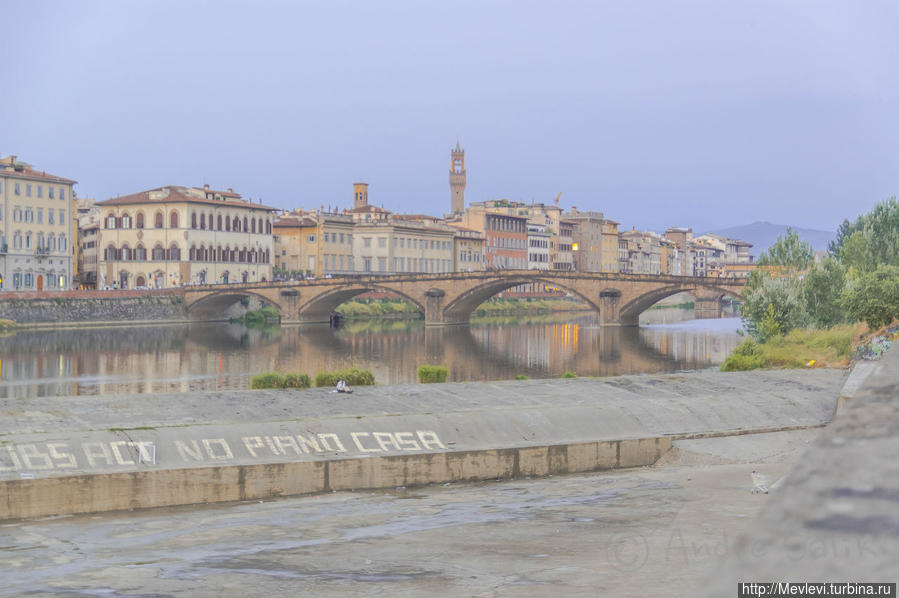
457, 180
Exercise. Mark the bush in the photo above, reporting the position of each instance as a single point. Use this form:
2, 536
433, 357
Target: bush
428, 374
747, 356
873, 297
569, 374
267, 380
353, 376
296, 381
520, 377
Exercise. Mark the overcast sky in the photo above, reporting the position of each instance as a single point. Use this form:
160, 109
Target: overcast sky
703, 114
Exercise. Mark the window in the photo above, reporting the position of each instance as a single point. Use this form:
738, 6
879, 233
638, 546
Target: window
382, 243
17, 214
18, 189
193, 220
50, 192
40, 215
158, 253
219, 222
126, 221
27, 189
341, 237
139, 220
27, 240
50, 216
366, 242
29, 215
173, 220
62, 193
158, 220
28, 280
40, 241
310, 239
62, 216
402, 243
174, 252
40, 190
62, 242
327, 237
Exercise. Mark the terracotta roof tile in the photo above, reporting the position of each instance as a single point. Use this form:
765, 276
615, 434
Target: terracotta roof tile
180, 195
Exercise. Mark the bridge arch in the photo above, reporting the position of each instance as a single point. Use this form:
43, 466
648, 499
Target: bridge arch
460, 308
214, 305
320, 308
629, 313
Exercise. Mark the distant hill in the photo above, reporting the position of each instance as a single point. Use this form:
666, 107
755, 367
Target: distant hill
763, 234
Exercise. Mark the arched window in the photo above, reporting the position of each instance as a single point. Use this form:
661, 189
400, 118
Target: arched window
202, 221
227, 223
245, 224
158, 221
62, 243
173, 219
110, 253
158, 253
193, 220
51, 242
110, 221
126, 220
174, 253
192, 255
126, 253
259, 225
253, 225
40, 240
236, 226
268, 227
17, 240
219, 222
139, 220
140, 253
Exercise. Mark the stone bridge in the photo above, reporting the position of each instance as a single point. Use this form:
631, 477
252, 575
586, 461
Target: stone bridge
450, 298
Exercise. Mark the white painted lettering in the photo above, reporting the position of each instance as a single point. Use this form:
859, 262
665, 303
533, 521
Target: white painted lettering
407, 444
308, 443
117, 453
338, 446
57, 454
146, 451
271, 445
96, 450
286, 441
33, 458
428, 439
356, 436
386, 439
223, 455
193, 450
252, 443
14, 459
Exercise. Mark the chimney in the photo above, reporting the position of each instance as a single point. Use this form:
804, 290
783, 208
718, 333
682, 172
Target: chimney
206, 186
12, 160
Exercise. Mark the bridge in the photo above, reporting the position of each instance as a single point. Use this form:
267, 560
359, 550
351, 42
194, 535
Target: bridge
450, 298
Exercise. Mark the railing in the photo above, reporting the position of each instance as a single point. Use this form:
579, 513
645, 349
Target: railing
42, 251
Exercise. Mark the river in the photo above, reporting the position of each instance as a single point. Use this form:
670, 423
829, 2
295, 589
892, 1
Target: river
183, 357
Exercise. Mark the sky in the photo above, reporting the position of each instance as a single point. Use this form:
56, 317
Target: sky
692, 113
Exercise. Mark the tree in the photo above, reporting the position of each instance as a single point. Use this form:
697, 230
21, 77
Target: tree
874, 296
820, 289
774, 308
879, 229
789, 251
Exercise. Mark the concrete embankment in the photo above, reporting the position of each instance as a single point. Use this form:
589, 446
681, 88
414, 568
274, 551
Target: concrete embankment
83, 454
70, 308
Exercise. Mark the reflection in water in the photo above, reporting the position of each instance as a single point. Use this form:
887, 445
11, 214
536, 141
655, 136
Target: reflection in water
224, 356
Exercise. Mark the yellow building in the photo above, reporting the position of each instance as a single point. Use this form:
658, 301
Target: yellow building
468, 254
36, 229
173, 236
295, 244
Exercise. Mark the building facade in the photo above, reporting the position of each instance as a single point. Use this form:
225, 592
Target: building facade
172, 236
36, 229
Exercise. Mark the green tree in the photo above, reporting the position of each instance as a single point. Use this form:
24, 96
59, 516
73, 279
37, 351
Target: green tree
854, 252
874, 296
821, 289
880, 230
774, 308
789, 251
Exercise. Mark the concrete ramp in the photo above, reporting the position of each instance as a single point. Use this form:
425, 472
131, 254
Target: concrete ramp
66, 455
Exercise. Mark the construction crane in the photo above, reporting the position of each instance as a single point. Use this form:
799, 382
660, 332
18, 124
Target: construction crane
556, 200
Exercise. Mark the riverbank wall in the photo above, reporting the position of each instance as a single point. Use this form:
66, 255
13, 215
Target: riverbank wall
65, 455
92, 307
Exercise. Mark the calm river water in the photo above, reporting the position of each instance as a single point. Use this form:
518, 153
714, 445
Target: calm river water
89, 361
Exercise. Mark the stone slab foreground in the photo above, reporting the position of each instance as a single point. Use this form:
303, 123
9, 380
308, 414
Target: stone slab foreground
64, 455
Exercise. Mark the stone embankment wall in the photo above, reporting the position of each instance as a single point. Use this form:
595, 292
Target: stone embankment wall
73, 307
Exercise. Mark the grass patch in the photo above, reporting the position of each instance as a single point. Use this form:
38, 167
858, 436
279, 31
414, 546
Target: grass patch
569, 374
368, 308
429, 374
521, 377
353, 376
276, 380
296, 381
829, 347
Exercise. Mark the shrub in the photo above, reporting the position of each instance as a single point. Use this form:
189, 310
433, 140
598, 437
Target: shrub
520, 377
353, 376
428, 374
874, 297
296, 381
569, 374
267, 380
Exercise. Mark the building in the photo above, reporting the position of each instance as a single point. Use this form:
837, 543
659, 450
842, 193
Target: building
335, 242
36, 228
594, 241
457, 179
295, 245
538, 247
88, 239
468, 254
644, 252
403, 246
171, 236
505, 236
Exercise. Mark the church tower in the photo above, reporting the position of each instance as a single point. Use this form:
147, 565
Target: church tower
457, 180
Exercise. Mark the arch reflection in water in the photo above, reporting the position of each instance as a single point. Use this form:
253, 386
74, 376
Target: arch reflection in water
225, 356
